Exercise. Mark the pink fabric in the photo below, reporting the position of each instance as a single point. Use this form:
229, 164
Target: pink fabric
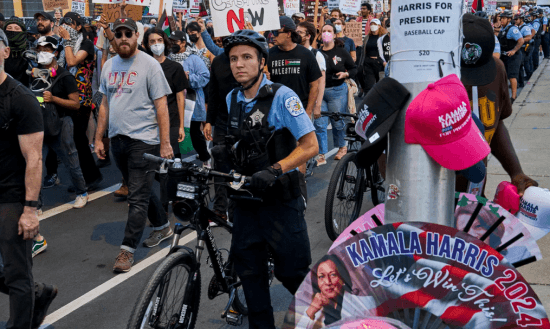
507, 196
440, 119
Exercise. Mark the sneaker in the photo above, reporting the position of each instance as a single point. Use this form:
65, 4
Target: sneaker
341, 152
321, 160
42, 301
124, 261
156, 237
103, 163
38, 247
51, 181
122, 192
81, 201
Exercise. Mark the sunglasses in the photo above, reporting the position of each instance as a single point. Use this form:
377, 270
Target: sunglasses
128, 34
276, 32
68, 21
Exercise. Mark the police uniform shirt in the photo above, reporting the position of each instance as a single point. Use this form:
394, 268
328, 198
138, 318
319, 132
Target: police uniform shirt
526, 30
544, 20
513, 33
497, 46
286, 110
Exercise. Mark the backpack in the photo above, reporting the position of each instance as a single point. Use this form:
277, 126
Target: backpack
52, 119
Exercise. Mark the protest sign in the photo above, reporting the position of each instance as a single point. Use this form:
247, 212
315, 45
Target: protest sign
377, 8
112, 12
424, 40
180, 6
331, 4
50, 5
78, 7
353, 31
229, 16
309, 8
350, 7
291, 7
128, 2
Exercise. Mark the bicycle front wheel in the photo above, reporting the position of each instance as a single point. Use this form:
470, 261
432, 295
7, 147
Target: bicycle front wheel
344, 196
161, 304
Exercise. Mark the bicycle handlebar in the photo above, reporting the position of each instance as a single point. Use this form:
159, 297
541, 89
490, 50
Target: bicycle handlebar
199, 171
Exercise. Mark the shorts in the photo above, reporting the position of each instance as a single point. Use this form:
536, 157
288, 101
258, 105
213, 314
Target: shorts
512, 64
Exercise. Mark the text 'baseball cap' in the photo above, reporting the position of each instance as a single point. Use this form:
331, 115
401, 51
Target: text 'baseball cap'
440, 120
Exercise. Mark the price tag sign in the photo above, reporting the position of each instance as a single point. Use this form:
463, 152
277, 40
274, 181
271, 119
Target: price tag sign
426, 40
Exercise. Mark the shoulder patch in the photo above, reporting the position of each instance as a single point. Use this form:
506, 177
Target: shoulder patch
515, 30
294, 106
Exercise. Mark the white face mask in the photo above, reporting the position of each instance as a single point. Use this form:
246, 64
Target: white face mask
388, 29
374, 28
157, 48
338, 28
45, 58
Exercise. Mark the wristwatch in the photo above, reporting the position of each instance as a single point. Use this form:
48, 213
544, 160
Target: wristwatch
277, 166
32, 204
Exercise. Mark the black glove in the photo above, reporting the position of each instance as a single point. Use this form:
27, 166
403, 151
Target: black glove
265, 178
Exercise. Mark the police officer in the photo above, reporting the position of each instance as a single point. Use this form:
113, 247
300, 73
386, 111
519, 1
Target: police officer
528, 33
545, 41
511, 40
539, 28
261, 111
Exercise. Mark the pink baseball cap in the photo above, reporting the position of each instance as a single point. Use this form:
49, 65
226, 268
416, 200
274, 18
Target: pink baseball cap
440, 120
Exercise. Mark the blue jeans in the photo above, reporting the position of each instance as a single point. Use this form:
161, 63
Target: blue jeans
63, 145
335, 99
139, 175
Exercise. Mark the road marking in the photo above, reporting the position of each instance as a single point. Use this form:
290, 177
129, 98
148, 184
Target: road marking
118, 279
68, 206
331, 152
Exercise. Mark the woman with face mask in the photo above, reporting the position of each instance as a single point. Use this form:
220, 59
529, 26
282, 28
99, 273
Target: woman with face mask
370, 62
16, 65
349, 45
340, 66
158, 45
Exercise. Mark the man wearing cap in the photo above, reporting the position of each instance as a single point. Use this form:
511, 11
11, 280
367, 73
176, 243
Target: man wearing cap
198, 75
135, 107
479, 69
21, 135
293, 65
45, 23
78, 58
298, 18
511, 40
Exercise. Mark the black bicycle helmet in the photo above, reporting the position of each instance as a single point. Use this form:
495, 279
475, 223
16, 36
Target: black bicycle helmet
507, 13
246, 37
481, 14
518, 16
540, 11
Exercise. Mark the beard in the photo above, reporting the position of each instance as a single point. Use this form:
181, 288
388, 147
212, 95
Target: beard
44, 29
123, 53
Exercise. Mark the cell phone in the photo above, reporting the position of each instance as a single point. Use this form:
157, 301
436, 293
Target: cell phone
335, 76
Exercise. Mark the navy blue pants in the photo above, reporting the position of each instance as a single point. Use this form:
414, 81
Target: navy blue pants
281, 227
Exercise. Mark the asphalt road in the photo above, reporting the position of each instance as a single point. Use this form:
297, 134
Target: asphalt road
83, 244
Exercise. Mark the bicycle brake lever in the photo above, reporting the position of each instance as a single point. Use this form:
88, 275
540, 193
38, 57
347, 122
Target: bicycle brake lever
237, 186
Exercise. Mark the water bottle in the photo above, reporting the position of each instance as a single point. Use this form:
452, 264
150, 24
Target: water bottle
177, 163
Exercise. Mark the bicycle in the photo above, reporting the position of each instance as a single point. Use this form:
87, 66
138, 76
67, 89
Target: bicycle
188, 188
348, 183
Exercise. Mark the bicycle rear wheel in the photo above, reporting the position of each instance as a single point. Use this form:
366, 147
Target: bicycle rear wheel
377, 190
344, 196
160, 305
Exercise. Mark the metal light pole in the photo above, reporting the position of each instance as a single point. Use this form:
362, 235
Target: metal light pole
418, 188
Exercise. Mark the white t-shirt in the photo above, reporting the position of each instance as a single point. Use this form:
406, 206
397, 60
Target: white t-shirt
320, 60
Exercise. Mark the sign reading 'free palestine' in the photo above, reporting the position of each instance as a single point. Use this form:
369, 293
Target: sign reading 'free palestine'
425, 40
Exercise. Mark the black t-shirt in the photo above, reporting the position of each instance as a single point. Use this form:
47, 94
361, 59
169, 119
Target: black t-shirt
221, 83
295, 69
177, 80
371, 49
22, 115
17, 68
62, 88
88, 46
338, 60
